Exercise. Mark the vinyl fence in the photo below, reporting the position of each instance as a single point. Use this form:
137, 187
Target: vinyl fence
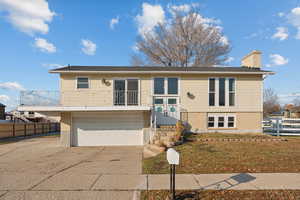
26, 129
282, 126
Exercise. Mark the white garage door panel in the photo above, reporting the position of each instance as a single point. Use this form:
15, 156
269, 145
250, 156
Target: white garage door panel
108, 129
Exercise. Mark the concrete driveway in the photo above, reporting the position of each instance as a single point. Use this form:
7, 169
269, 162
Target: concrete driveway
39, 168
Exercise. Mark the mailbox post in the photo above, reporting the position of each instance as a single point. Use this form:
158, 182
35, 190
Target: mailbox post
173, 160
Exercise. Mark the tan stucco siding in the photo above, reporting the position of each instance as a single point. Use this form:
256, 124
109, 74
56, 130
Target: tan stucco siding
248, 92
98, 93
249, 121
245, 122
66, 128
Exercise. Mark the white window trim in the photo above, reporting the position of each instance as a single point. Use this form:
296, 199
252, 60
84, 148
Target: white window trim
125, 79
216, 121
76, 83
166, 86
217, 101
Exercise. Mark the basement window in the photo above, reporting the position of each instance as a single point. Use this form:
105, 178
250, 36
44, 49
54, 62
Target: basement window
221, 121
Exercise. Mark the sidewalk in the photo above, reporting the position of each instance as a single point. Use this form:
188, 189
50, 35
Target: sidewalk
247, 181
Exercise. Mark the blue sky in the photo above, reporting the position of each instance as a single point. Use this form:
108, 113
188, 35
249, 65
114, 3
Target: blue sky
37, 35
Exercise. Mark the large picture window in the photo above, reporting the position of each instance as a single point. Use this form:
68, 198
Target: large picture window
165, 86
221, 92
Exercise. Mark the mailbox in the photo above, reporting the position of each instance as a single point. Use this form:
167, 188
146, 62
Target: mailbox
173, 160
172, 157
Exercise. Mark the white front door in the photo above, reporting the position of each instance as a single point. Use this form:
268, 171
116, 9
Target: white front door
166, 110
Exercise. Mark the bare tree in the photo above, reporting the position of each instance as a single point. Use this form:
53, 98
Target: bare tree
296, 101
271, 102
185, 41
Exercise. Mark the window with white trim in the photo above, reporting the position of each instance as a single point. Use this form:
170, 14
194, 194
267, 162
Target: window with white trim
231, 91
221, 121
212, 91
211, 122
82, 82
165, 86
221, 91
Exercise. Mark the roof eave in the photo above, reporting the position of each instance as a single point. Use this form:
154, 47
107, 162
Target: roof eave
163, 72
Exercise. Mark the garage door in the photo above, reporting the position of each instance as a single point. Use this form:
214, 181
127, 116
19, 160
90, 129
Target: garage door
107, 129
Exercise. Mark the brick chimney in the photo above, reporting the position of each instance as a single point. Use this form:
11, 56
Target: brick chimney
252, 60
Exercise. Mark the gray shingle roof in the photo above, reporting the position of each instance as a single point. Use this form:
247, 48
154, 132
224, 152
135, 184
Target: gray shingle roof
157, 69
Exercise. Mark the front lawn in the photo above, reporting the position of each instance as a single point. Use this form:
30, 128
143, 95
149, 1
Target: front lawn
225, 194
231, 157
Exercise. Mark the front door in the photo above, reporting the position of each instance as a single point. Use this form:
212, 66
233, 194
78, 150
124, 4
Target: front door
166, 110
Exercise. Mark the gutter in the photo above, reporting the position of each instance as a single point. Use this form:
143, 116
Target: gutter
161, 72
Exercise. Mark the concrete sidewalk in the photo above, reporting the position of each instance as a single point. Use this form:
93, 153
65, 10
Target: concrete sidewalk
128, 186
242, 181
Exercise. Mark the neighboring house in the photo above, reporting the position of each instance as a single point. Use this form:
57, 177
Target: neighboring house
2, 111
101, 105
292, 112
30, 116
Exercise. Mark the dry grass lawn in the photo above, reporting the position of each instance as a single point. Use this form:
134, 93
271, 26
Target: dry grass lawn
231, 157
225, 195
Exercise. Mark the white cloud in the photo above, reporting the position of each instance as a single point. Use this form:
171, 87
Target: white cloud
135, 48
28, 16
298, 34
52, 65
88, 47
44, 45
151, 16
281, 34
180, 8
224, 40
113, 22
280, 14
229, 60
4, 98
183, 8
277, 60
294, 19
288, 98
11, 86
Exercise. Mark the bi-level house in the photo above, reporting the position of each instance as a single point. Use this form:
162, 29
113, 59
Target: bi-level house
102, 105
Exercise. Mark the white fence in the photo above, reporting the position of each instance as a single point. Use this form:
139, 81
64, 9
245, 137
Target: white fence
282, 126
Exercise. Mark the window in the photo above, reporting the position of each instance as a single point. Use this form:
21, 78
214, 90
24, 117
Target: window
126, 92
222, 92
158, 101
212, 91
211, 122
172, 101
82, 83
230, 122
159, 86
172, 85
231, 92
164, 86
119, 92
221, 121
